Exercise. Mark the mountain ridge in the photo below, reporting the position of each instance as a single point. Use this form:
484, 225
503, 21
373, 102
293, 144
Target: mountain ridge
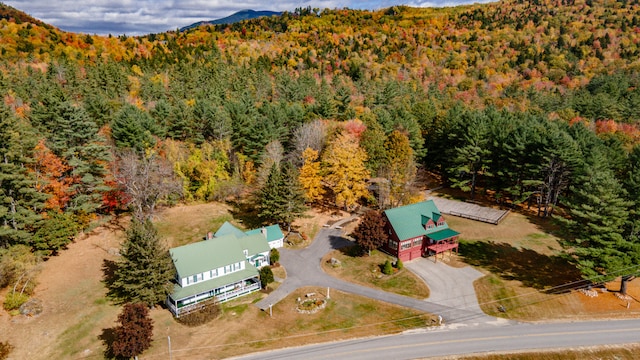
241, 15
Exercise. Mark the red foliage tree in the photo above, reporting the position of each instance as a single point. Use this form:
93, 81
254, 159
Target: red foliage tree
370, 234
135, 332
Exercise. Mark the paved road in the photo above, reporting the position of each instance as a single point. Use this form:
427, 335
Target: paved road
462, 339
303, 269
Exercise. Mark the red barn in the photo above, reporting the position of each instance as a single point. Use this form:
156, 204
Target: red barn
418, 230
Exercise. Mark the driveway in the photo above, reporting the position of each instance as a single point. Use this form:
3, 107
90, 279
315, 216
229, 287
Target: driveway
303, 269
448, 285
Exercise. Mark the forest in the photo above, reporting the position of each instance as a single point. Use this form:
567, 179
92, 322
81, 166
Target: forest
534, 104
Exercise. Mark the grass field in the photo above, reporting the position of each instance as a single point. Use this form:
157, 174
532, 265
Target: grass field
367, 271
527, 274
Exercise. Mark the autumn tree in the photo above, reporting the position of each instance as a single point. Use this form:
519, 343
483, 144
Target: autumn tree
135, 333
145, 269
310, 177
370, 234
399, 167
346, 174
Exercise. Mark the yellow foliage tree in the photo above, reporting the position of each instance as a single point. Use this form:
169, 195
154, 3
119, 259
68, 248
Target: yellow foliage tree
346, 174
310, 177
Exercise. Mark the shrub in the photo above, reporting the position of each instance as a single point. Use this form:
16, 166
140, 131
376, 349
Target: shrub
274, 256
14, 300
5, 349
266, 276
387, 269
207, 311
399, 264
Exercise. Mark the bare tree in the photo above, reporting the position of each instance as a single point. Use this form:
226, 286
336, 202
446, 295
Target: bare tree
146, 179
272, 155
309, 135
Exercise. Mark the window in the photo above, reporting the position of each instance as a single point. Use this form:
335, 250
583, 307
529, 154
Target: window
393, 244
195, 278
405, 245
417, 242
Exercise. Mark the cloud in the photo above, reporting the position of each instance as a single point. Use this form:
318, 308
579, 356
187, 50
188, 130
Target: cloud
137, 17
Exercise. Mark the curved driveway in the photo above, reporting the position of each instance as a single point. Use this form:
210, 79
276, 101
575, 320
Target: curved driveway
303, 269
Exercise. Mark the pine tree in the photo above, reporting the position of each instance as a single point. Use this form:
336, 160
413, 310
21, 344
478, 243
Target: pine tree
293, 195
598, 213
135, 333
370, 234
20, 202
144, 271
271, 196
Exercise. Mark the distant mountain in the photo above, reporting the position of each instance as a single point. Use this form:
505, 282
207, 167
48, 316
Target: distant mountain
15, 15
234, 18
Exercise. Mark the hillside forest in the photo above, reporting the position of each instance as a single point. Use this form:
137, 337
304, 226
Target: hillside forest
532, 104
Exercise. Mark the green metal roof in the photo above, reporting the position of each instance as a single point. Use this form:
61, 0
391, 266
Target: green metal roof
442, 234
408, 221
206, 255
227, 228
180, 293
255, 244
273, 232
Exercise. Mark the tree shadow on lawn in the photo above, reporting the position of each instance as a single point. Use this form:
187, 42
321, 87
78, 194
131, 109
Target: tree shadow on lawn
108, 336
549, 273
338, 242
247, 213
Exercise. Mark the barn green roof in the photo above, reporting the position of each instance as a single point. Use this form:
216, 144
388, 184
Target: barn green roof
205, 255
227, 228
408, 221
255, 244
273, 232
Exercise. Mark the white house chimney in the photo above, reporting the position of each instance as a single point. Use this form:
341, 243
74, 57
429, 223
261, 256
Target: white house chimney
209, 235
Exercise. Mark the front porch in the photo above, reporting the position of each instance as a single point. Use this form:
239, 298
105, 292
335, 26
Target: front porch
186, 304
440, 242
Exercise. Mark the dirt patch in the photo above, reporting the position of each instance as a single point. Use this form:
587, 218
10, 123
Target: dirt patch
525, 303
73, 299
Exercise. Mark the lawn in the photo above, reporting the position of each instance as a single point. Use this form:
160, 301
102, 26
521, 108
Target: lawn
527, 274
367, 271
243, 328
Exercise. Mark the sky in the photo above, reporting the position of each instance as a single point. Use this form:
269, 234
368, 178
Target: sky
139, 17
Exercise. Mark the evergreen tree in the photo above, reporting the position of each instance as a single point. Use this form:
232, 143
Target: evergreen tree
145, 270
135, 333
271, 196
294, 196
598, 213
281, 199
266, 276
20, 202
370, 234
133, 128
56, 232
